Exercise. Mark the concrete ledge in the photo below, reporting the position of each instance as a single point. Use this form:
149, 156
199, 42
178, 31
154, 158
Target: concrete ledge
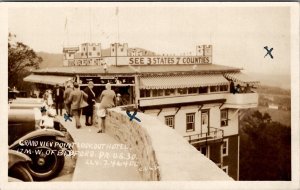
162, 153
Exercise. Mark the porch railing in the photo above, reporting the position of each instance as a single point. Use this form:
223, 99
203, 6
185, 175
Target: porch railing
212, 135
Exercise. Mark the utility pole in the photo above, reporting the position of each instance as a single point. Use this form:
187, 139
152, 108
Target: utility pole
116, 47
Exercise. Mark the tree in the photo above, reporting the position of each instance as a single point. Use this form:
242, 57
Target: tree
21, 58
265, 148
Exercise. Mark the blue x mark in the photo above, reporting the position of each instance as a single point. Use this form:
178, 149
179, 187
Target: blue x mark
67, 117
133, 116
43, 109
268, 51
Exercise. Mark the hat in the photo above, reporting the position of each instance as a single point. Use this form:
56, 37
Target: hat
118, 94
75, 85
90, 82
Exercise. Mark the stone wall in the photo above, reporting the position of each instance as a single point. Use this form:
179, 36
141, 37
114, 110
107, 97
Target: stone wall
162, 154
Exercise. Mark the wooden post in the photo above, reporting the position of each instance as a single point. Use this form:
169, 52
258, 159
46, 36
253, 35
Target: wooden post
137, 89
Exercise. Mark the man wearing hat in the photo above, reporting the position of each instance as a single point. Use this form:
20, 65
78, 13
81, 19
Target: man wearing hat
58, 94
88, 111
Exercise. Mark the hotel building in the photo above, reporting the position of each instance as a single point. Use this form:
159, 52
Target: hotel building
188, 93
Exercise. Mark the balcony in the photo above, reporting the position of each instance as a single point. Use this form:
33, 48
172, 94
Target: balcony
214, 135
183, 99
241, 100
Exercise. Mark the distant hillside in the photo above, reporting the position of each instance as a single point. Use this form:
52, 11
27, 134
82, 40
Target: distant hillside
50, 59
281, 81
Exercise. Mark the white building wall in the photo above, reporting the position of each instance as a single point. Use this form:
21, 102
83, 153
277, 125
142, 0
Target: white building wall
214, 119
233, 123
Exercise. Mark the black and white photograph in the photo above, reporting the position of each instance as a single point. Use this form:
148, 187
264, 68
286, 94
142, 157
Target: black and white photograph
182, 95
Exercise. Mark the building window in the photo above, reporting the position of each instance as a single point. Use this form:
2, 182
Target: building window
225, 169
192, 90
98, 53
225, 147
204, 150
182, 90
122, 49
169, 92
169, 120
144, 93
224, 88
190, 122
90, 53
157, 92
70, 54
94, 48
203, 89
85, 53
81, 54
214, 88
224, 117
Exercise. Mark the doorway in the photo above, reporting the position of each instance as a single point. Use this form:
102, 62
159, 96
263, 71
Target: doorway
205, 121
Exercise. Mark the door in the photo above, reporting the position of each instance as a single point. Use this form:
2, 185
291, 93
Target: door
205, 121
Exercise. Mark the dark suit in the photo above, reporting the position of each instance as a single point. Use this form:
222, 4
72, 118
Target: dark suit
74, 100
67, 94
88, 111
58, 94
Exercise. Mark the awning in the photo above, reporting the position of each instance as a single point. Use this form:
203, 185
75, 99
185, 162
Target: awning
47, 79
187, 81
241, 78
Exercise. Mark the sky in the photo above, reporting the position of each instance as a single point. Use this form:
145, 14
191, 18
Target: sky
238, 34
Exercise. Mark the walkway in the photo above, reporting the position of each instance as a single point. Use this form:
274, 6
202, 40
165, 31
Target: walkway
101, 158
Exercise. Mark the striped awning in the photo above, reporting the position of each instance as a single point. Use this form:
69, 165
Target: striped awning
241, 78
47, 79
187, 81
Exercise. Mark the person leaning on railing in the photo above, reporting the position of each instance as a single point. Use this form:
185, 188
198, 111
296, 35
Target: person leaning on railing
107, 100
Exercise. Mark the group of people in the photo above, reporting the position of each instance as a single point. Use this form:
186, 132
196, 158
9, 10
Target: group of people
80, 102
239, 89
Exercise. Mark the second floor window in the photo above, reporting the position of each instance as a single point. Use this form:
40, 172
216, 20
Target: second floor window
203, 89
225, 147
170, 121
214, 88
192, 90
157, 92
169, 92
190, 122
224, 117
182, 90
224, 88
145, 93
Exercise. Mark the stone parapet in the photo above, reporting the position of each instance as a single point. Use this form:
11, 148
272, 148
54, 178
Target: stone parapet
162, 154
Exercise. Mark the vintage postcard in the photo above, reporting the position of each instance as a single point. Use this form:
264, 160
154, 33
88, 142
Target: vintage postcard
150, 95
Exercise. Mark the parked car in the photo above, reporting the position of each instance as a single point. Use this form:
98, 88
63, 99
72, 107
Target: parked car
25, 135
17, 166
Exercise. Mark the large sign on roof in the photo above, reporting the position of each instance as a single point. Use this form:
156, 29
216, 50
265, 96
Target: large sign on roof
157, 60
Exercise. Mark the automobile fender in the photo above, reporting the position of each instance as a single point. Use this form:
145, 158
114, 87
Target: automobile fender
36, 134
15, 157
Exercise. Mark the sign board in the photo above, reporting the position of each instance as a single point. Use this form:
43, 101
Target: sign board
157, 60
140, 60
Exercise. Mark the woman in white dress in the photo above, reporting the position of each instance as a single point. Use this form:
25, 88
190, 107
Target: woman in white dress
50, 99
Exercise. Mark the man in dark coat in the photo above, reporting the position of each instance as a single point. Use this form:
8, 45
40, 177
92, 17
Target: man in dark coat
74, 100
88, 111
67, 94
58, 94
